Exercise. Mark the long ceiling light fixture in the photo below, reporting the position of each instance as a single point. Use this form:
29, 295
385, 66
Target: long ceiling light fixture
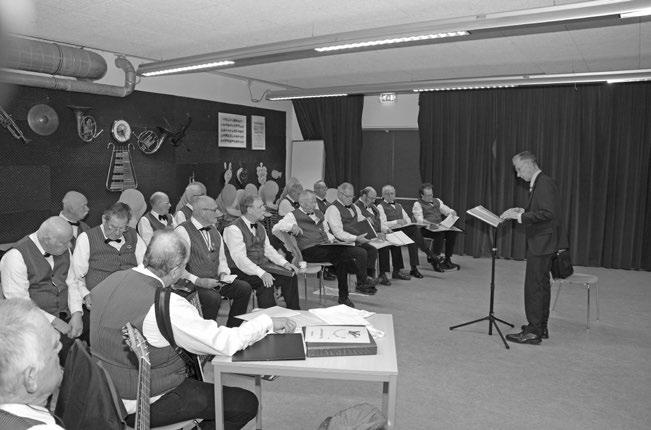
596, 13
636, 13
307, 97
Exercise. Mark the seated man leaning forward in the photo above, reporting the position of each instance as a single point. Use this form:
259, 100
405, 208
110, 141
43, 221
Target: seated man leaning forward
128, 296
314, 239
256, 261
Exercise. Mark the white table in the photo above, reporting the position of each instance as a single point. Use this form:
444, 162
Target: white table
382, 367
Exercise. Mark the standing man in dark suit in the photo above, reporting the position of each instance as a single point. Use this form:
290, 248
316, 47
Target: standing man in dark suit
541, 219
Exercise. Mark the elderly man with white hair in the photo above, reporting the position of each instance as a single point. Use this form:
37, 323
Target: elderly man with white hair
74, 210
30, 370
184, 206
37, 268
158, 218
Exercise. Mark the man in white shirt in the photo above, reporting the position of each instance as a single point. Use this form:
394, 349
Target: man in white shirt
30, 370
38, 268
342, 216
207, 266
290, 201
158, 218
256, 261
430, 210
128, 296
74, 210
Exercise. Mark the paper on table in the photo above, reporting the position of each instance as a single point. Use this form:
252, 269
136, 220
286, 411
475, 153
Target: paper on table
274, 311
342, 315
304, 319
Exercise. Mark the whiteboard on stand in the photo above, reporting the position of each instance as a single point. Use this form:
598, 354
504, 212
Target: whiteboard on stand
307, 162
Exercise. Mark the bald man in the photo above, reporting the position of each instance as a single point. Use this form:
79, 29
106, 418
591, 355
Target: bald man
74, 210
184, 206
158, 218
320, 190
37, 268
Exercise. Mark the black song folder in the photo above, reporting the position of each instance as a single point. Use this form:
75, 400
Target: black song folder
282, 346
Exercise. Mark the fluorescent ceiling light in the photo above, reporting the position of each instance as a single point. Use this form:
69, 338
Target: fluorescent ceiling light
464, 87
307, 97
391, 41
636, 13
618, 81
190, 68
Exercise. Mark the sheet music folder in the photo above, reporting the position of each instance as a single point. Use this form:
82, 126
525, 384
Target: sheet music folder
485, 215
273, 347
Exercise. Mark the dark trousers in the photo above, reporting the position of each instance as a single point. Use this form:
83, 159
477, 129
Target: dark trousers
210, 300
85, 319
371, 257
537, 291
450, 238
412, 248
396, 258
196, 399
240, 293
344, 258
288, 285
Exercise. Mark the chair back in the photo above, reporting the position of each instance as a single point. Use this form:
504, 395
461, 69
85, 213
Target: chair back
290, 243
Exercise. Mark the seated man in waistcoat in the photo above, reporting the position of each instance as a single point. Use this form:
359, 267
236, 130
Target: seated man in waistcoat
256, 261
311, 229
184, 206
128, 296
37, 268
30, 370
321, 189
428, 209
366, 205
290, 201
342, 216
157, 218
74, 210
393, 216
102, 250
207, 267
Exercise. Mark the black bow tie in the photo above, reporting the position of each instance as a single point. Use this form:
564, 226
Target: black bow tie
47, 254
205, 228
348, 206
162, 217
309, 213
107, 241
253, 225
74, 223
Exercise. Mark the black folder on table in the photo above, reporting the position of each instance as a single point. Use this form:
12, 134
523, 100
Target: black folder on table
283, 346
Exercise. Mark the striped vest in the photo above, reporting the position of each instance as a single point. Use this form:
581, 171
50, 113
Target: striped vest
370, 212
10, 421
348, 220
127, 296
104, 259
431, 211
186, 211
322, 204
47, 286
294, 203
254, 244
156, 224
313, 233
203, 262
391, 212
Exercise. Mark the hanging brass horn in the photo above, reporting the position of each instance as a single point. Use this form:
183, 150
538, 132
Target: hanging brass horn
86, 124
149, 142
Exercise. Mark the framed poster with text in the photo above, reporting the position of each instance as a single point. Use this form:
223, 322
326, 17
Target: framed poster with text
232, 130
258, 133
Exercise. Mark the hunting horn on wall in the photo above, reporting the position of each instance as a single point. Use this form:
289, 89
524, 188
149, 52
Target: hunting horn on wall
86, 123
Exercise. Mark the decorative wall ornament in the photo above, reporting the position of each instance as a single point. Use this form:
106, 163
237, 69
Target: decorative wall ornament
42, 119
8, 122
86, 123
261, 173
121, 173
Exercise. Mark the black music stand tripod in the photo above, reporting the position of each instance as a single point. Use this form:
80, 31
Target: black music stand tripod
491, 318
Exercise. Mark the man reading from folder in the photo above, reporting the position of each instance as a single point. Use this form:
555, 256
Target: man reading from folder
541, 220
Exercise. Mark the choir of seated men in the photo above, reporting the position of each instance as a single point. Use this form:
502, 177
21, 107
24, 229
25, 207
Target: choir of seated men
88, 282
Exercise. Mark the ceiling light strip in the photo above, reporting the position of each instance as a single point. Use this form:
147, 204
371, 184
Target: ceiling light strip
191, 68
307, 97
636, 13
392, 41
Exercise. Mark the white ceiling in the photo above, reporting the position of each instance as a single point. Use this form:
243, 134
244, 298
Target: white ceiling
165, 29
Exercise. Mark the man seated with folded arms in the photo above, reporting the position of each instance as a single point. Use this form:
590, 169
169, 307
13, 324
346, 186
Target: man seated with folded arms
393, 216
157, 218
29, 366
290, 201
366, 205
428, 209
74, 210
37, 268
256, 261
311, 229
342, 216
207, 266
104, 249
184, 206
128, 296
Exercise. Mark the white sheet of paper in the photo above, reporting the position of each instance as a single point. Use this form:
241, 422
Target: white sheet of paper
227, 279
449, 221
274, 311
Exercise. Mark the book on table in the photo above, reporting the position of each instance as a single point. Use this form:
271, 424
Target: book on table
338, 340
485, 215
273, 347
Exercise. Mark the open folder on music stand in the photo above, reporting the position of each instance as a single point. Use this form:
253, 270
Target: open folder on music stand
494, 221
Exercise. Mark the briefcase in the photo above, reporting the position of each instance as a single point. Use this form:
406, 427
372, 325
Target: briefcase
562, 264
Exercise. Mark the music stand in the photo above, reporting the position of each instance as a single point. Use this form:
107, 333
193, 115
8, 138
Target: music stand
494, 221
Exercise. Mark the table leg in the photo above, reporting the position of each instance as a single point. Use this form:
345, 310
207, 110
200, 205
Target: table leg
389, 395
258, 393
219, 401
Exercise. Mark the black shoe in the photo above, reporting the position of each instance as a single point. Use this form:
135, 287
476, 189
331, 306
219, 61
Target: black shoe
400, 275
415, 273
346, 302
524, 337
371, 281
545, 332
436, 264
384, 280
365, 289
447, 264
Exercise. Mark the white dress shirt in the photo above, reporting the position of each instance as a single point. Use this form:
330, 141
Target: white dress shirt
179, 216
285, 206
417, 210
146, 231
288, 221
37, 413
386, 225
223, 263
15, 281
75, 229
81, 255
333, 217
235, 242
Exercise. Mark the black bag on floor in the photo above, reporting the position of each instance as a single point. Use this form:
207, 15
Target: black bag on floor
562, 264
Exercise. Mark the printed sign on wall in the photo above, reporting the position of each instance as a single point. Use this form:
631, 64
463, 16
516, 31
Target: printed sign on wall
257, 133
232, 130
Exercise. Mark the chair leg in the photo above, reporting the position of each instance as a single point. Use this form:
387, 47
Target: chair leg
321, 286
596, 298
258, 393
558, 293
305, 285
588, 311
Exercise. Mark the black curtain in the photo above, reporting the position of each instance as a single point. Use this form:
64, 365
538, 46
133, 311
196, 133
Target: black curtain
594, 140
338, 122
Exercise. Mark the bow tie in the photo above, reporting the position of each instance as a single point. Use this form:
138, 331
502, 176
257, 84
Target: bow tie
348, 206
162, 217
253, 226
76, 224
47, 254
107, 241
309, 213
205, 228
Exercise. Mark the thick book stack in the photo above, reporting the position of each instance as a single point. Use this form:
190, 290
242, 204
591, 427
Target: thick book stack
338, 340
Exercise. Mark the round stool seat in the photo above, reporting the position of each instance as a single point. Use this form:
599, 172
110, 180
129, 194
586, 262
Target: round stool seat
581, 278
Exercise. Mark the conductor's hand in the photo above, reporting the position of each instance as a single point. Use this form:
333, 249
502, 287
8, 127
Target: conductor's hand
267, 280
296, 230
283, 325
362, 239
511, 213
